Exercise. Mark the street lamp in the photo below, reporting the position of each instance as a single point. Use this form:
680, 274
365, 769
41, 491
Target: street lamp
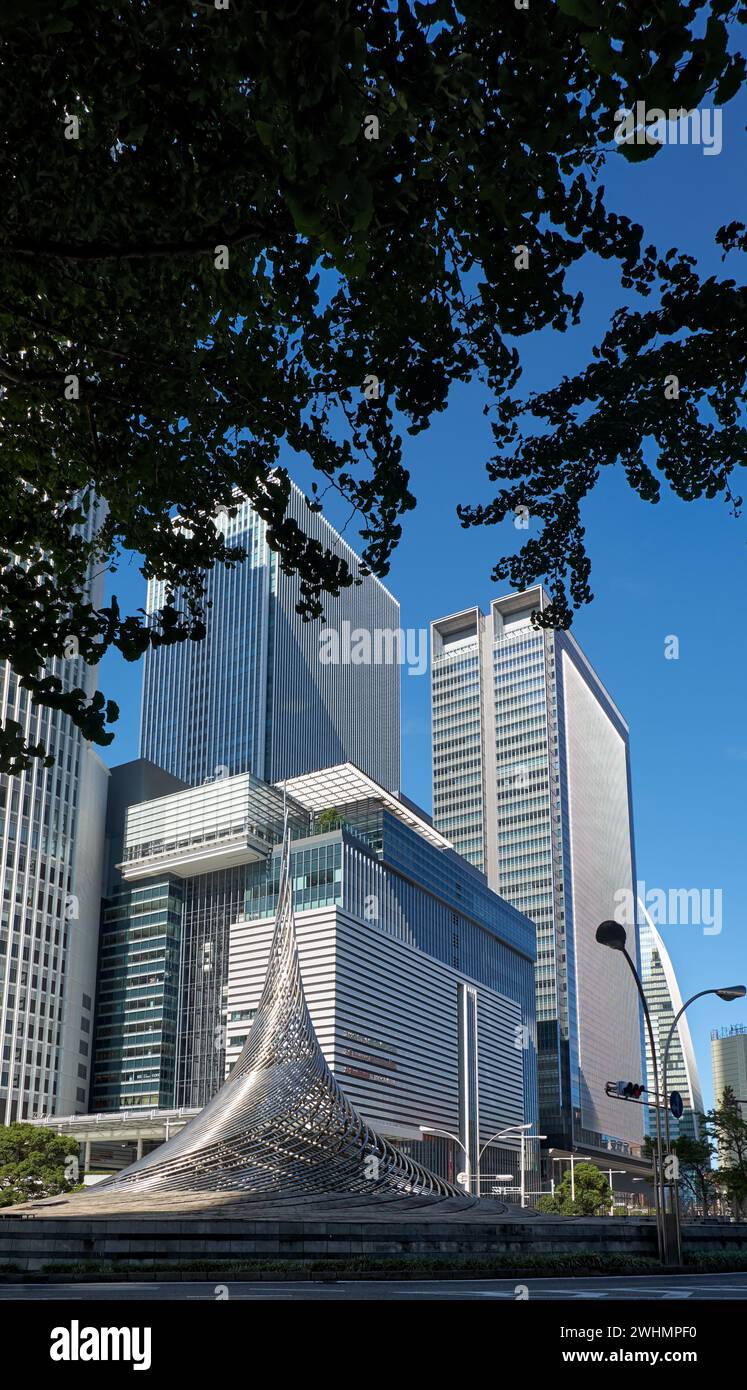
613, 935
648, 1207
446, 1134
728, 993
588, 1158
609, 1172
515, 1131
511, 1131
505, 1133
573, 1159
564, 1159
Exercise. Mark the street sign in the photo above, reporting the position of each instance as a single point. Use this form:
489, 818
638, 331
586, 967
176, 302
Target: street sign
463, 1178
676, 1105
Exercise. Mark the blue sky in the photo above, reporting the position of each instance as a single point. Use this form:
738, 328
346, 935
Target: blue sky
674, 569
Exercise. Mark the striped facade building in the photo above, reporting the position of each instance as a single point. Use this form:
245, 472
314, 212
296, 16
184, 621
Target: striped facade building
419, 978
531, 783
664, 1002
51, 846
254, 695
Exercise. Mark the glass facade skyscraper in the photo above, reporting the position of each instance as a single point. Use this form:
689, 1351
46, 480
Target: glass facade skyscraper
137, 989
531, 782
377, 869
212, 902
664, 1002
51, 846
254, 696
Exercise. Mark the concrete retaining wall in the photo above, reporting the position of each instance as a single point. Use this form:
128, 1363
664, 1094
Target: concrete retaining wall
32, 1242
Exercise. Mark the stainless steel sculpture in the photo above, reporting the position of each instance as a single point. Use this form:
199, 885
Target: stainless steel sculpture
280, 1123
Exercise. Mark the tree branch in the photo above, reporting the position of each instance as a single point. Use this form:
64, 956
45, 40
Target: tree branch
85, 251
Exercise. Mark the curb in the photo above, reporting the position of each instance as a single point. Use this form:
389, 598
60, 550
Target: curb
208, 1275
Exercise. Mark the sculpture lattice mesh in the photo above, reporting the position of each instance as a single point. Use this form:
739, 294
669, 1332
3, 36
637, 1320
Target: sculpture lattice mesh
280, 1123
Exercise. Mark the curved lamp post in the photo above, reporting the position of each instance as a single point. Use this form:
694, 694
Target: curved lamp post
728, 993
613, 934
446, 1134
511, 1132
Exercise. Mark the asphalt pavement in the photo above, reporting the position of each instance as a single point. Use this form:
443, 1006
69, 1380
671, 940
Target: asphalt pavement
651, 1288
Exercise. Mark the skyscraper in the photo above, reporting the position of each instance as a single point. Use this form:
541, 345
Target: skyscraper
51, 845
255, 696
531, 783
665, 1001
729, 1063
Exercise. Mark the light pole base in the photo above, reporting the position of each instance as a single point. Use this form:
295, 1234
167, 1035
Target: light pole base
672, 1254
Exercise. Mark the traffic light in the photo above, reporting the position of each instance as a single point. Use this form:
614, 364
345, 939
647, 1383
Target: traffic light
625, 1090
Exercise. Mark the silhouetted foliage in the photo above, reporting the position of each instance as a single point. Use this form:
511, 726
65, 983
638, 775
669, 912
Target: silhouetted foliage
205, 259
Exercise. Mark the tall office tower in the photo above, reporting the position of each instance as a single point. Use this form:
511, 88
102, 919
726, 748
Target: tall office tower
664, 1002
51, 844
531, 783
729, 1063
256, 696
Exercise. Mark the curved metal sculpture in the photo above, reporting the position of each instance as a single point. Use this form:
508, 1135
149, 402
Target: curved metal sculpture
280, 1123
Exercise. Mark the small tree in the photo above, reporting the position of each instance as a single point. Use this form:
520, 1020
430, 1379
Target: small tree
34, 1163
592, 1194
697, 1179
329, 819
697, 1176
727, 1127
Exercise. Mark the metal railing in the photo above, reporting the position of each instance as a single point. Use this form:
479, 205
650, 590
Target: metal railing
130, 1115
159, 849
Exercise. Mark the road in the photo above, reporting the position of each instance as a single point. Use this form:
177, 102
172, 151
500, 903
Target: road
648, 1287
